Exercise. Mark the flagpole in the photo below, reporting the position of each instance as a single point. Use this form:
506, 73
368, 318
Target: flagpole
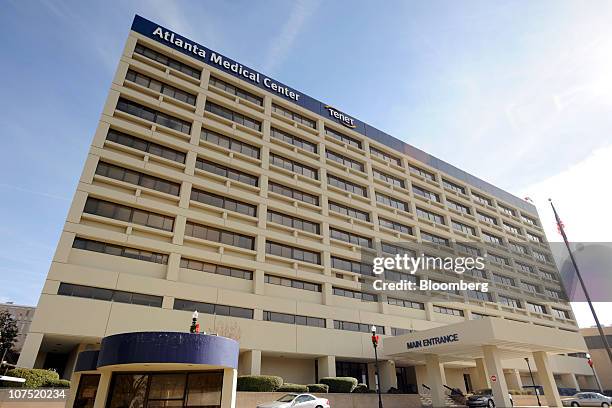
584, 289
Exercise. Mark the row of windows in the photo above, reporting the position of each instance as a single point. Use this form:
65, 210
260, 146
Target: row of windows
357, 327
234, 90
293, 193
392, 202
342, 137
294, 116
426, 236
153, 115
218, 235
478, 295
128, 214
216, 269
229, 143
167, 61
405, 303
349, 211
293, 140
110, 295
137, 178
293, 166
447, 310
394, 225
351, 266
388, 178
287, 251
366, 297
145, 146
226, 172
346, 185
292, 283
293, 222
117, 250
160, 87
350, 237
430, 215
425, 193
233, 116
453, 187
343, 160
223, 202
459, 226
293, 319
385, 156
423, 173
213, 309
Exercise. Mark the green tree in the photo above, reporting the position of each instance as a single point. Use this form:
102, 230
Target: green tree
8, 331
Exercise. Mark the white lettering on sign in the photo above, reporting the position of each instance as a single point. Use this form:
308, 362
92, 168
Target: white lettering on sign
169, 36
344, 119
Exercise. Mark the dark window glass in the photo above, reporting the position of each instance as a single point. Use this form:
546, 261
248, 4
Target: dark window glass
233, 116
392, 202
128, 390
153, 115
481, 199
344, 161
294, 116
366, 297
388, 178
293, 319
170, 62
234, 90
128, 214
421, 172
458, 207
350, 237
217, 235
223, 202
145, 146
229, 143
425, 193
293, 283
137, 178
223, 171
405, 303
434, 239
351, 266
452, 186
86, 392
431, 216
346, 185
343, 138
294, 140
293, 222
117, 250
160, 87
67, 289
357, 327
293, 193
385, 156
294, 166
459, 226
290, 252
349, 211
394, 225
209, 308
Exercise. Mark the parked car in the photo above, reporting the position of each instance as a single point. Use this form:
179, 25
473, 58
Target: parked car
587, 399
484, 398
297, 401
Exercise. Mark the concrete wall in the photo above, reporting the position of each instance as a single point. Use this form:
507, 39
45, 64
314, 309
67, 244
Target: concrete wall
251, 399
293, 370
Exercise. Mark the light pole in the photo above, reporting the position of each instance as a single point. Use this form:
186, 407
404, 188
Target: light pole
590, 362
375, 344
195, 327
533, 382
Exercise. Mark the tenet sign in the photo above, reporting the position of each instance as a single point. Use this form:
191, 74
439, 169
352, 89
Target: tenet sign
433, 341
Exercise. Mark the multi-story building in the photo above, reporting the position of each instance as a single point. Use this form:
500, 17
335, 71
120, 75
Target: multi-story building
599, 355
23, 316
212, 187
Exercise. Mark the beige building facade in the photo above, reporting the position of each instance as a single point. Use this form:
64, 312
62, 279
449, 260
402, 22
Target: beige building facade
598, 354
23, 316
211, 187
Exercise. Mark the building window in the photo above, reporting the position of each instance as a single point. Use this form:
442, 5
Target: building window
540, 256
396, 249
218, 235
392, 202
160, 87
508, 301
534, 237
486, 218
346, 185
529, 287
351, 266
298, 254
498, 259
517, 247
388, 178
145, 146
343, 160
453, 187
229, 143
226, 203
137, 178
512, 228
394, 225
87, 390
293, 166
434, 239
464, 209
478, 295
216, 269
397, 331
447, 310
292, 283
293, 222
506, 210
109, 295
431, 216
425, 193
214, 309
459, 226
354, 294
529, 220
294, 116
552, 293
504, 280
118, 250
128, 214
423, 173
548, 275
477, 273
235, 117
293, 140
493, 239
385, 156
293, 319
405, 303
482, 199
467, 249
226, 172
536, 308
349, 211
357, 327
234, 90
293, 193
524, 267
154, 116
350, 237
343, 138
167, 61
563, 314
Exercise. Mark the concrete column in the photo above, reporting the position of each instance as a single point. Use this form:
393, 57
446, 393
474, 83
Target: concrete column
494, 367
103, 388
327, 366
388, 376
228, 395
259, 281
371, 377
30, 350
547, 380
435, 379
252, 361
513, 379
74, 385
571, 381
482, 377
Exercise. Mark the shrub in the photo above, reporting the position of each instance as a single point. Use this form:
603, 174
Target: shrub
288, 387
57, 384
339, 384
360, 389
259, 383
318, 388
34, 377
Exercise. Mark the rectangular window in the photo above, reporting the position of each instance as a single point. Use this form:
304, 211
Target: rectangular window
298, 254
128, 214
351, 266
497, 259
293, 319
508, 301
387, 178
552, 293
529, 220
293, 140
467, 249
423, 173
478, 295
396, 276
293, 193
343, 160
167, 61
292, 283
512, 228
349, 211
211, 308
226, 172
216, 269
529, 287
524, 267
447, 310
218, 235
486, 218
389, 248
534, 237
230, 204
350, 237
294, 116
392, 202
540, 256
160, 87
504, 280
563, 314
459, 226
394, 225
118, 250
152, 115
293, 222
434, 239
493, 239
229, 143
346, 185
366, 297
482, 199
425, 193
145, 146
234, 90
343, 138
453, 187
405, 303
548, 275
357, 327
293, 166
506, 210
385, 156
431, 216
397, 331
137, 178
458, 207
521, 249
536, 308
233, 116
109, 295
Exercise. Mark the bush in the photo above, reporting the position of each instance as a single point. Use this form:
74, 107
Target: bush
361, 389
318, 388
34, 377
259, 383
288, 387
57, 384
339, 384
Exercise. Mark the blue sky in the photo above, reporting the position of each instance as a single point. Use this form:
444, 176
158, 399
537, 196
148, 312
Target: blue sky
518, 93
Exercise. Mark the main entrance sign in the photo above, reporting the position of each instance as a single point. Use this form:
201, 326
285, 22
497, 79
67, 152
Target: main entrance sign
433, 341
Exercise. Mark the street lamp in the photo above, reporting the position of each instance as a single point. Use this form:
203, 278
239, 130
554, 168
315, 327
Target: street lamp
195, 326
533, 382
375, 339
590, 362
